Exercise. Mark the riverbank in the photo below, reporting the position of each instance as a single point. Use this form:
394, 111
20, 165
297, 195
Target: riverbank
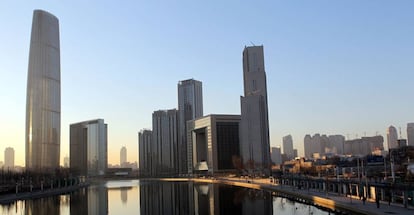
323, 199
9, 198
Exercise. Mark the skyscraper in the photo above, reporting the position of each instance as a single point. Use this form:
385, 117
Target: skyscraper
43, 94
145, 152
123, 157
190, 106
392, 137
89, 147
9, 158
254, 133
410, 134
164, 142
276, 155
288, 146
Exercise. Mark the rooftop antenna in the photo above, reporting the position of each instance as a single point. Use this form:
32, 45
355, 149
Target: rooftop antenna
252, 43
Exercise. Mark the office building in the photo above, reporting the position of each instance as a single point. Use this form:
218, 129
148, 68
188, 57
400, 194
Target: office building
123, 157
254, 125
410, 134
190, 106
288, 146
9, 158
214, 143
145, 153
392, 137
276, 155
43, 94
165, 142
89, 148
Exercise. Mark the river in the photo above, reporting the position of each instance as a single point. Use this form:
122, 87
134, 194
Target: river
150, 197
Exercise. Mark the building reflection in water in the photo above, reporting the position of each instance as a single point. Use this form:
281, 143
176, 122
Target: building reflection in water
202, 199
124, 194
43, 206
91, 201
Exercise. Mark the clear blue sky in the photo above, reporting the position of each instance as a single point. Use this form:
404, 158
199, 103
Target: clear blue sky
334, 67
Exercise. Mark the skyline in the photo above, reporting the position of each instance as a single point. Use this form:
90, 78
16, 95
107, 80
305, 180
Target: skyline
332, 67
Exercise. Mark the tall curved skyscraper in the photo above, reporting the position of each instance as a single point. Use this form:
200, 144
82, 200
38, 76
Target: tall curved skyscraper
43, 93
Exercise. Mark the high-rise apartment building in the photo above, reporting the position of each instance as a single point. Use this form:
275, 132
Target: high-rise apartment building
392, 137
190, 106
254, 125
364, 146
8, 158
89, 147
288, 146
145, 153
164, 142
410, 134
43, 94
123, 157
337, 144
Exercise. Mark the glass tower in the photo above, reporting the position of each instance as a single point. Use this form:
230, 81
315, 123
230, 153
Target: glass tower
43, 94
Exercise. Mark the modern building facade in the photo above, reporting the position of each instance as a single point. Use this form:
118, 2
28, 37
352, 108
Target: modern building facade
392, 137
410, 134
123, 157
145, 153
43, 94
8, 158
320, 145
213, 141
164, 142
89, 148
190, 106
254, 125
276, 155
288, 146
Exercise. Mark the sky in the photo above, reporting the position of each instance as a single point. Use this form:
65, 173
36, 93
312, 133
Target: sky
333, 67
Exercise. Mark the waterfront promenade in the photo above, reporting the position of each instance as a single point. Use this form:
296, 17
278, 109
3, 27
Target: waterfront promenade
329, 200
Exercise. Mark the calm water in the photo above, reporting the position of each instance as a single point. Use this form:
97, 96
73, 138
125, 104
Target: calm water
135, 197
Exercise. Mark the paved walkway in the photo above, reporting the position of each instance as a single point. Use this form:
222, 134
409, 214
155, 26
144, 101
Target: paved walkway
321, 198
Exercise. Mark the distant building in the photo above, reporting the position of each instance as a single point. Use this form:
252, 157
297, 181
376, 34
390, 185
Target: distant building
164, 142
392, 137
9, 158
190, 106
323, 144
295, 153
145, 153
276, 155
337, 144
88, 147
215, 143
254, 125
66, 162
123, 157
410, 134
401, 143
288, 146
43, 94
364, 146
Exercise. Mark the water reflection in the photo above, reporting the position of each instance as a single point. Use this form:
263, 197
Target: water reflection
134, 197
208, 199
